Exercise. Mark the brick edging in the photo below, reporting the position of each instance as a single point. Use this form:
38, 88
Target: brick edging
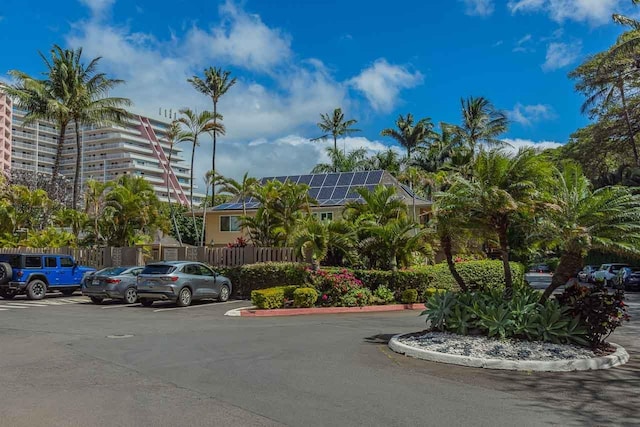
253, 312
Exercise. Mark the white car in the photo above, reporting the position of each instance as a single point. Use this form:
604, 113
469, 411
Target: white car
607, 272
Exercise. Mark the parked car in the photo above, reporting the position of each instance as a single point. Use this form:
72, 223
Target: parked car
181, 282
112, 282
540, 268
628, 279
607, 272
35, 274
586, 274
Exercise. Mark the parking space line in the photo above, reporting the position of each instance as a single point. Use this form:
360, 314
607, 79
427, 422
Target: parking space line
122, 306
10, 305
3, 309
197, 306
23, 304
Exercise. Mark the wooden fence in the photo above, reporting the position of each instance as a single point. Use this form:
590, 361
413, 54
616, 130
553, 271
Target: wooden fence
141, 255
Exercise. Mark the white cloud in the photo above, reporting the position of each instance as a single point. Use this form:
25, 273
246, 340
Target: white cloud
526, 115
517, 143
382, 82
560, 55
98, 7
242, 39
595, 12
479, 7
522, 44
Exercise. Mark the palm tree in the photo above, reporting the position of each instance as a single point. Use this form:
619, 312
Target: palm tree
416, 179
216, 83
174, 135
310, 240
387, 160
381, 205
240, 189
195, 125
95, 202
352, 161
482, 123
582, 219
501, 187
212, 179
336, 126
411, 136
397, 240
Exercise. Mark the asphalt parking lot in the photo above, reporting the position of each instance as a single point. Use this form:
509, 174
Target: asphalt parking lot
72, 363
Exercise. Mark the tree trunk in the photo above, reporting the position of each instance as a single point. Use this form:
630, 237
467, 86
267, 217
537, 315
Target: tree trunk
632, 139
204, 215
213, 158
335, 151
504, 254
56, 163
193, 212
445, 241
76, 175
171, 211
569, 263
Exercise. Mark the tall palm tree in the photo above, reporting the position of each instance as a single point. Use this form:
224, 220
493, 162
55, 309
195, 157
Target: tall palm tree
482, 123
352, 161
381, 205
215, 84
501, 187
336, 126
194, 126
409, 134
581, 219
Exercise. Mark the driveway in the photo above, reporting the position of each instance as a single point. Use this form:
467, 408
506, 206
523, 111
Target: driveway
85, 365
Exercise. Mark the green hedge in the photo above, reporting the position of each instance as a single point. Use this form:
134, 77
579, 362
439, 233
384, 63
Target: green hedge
305, 297
478, 274
268, 298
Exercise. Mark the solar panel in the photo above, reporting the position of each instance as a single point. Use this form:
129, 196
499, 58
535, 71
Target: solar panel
294, 179
305, 179
281, 178
345, 178
374, 177
222, 206
352, 194
325, 193
317, 180
359, 178
332, 179
340, 192
253, 205
313, 193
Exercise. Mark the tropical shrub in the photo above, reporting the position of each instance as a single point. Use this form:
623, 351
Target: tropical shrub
478, 275
304, 297
598, 311
383, 295
265, 275
335, 286
429, 292
488, 313
356, 297
268, 298
409, 296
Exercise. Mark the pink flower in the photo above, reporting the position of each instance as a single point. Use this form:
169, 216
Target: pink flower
325, 297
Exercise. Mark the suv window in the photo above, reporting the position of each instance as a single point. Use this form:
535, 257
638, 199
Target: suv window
204, 271
32, 262
66, 262
191, 269
50, 262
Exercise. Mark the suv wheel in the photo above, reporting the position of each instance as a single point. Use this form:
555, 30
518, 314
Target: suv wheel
36, 289
5, 272
224, 293
184, 297
130, 295
8, 293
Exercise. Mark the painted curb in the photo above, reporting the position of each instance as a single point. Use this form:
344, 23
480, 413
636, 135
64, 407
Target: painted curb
255, 312
619, 357
237, 312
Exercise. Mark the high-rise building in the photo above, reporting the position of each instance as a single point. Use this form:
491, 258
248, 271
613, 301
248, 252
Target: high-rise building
5, 132
137, 147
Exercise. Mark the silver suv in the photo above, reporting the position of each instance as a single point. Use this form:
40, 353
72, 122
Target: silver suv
181, 282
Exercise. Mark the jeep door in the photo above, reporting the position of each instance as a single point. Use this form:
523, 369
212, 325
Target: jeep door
67, 271
51, 270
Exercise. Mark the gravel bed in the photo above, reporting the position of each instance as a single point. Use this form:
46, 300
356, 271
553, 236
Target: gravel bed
489, 348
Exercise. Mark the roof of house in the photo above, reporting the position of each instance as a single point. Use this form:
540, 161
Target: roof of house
334, 189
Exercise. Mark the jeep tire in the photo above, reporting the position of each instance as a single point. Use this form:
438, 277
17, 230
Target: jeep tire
5, 272
36, 289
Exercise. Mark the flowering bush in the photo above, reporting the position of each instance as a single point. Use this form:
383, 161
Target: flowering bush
598, 311
383, 295
334, 287
240, 242
356, 297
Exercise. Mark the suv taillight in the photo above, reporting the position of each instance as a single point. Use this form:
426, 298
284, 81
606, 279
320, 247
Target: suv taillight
113, 280
20, 273
170, 279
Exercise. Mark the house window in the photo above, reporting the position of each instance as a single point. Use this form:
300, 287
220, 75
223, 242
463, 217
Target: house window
324, 216
229, 223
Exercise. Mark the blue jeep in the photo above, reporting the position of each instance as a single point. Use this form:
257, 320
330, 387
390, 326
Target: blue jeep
34, 274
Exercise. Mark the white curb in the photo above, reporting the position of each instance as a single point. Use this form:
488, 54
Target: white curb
236, 311
619, 357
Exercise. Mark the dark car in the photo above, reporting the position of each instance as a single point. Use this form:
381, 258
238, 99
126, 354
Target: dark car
540, 268
181, 282
35, 274
112, 282
628, 278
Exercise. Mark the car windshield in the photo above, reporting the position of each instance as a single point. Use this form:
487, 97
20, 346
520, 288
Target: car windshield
111, 271
158, 269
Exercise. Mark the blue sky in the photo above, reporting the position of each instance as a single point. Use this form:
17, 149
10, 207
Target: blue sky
295, 59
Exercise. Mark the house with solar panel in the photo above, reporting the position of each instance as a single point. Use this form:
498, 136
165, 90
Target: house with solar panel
332, 191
